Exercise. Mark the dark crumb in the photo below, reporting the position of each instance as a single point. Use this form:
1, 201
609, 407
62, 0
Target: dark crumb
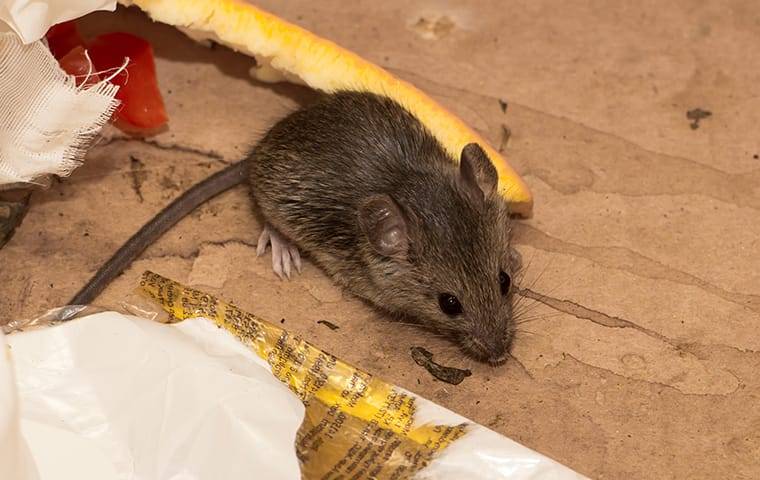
505, 134
11, 216
503, 105
696, 115
451, 375
755, 156
282, 320
328, 324
418, 381
86, 234
137, 172
477, 402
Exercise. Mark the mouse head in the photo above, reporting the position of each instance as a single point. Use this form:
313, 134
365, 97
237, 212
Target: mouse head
448, 261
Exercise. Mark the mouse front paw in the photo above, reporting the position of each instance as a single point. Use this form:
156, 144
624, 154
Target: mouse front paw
285, 254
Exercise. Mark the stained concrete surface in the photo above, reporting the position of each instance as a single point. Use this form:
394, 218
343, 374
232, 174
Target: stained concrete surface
640, 357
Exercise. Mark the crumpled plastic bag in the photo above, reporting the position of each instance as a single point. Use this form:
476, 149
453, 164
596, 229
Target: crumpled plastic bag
31, 19
356, 425
110, 396
205, 390
15, 459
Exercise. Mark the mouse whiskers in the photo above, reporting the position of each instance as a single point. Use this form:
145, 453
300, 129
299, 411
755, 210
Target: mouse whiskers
521, 297
519, 320
451, 355
529, 292
520, 331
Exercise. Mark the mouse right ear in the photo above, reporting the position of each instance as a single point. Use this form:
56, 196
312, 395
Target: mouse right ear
384, 224
476, 172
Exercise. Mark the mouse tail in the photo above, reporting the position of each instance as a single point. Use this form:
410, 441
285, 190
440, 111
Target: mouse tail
199, 194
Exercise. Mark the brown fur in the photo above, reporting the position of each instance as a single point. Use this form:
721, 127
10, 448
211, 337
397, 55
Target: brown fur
311, 174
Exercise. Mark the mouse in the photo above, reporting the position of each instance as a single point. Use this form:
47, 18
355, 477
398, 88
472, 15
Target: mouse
361, 187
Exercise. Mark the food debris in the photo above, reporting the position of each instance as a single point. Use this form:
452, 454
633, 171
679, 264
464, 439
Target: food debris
451, 375
328, 324
696, 115
503, 105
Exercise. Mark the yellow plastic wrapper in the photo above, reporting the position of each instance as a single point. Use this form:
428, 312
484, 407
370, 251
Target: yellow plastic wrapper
355, 426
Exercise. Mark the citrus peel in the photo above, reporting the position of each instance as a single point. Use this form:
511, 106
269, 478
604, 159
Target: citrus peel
284, 51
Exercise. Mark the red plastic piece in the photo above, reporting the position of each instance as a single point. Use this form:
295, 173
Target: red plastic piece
63, 37
142, 106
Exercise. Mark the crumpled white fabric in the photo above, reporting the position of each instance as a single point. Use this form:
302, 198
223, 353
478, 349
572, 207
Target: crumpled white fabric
31, 19
46, 121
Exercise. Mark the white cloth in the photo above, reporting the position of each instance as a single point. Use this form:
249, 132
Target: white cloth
46, 121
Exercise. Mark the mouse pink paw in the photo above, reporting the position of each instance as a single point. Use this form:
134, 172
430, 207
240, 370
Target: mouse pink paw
284, 253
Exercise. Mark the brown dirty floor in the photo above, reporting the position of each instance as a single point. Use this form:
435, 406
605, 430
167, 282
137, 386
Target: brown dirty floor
643, 359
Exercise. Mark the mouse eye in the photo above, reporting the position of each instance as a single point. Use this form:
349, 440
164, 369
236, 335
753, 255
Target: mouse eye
449, 304
504, 282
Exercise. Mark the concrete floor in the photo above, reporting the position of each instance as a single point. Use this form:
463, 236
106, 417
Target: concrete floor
643, 359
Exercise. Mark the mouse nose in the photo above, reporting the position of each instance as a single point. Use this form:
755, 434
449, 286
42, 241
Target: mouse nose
492, 347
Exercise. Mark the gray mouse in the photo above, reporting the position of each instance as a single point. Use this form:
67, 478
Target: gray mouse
360, 185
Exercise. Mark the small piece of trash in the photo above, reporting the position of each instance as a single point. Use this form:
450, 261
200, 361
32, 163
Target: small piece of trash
328, 324
696, 115
451, 375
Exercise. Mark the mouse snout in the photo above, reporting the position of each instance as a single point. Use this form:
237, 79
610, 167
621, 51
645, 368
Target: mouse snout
491, 348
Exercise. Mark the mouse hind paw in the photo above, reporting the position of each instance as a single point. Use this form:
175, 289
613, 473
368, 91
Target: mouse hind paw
285, 255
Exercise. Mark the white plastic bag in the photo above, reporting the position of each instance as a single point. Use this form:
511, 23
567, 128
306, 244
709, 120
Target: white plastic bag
115, 397
31, 19
15, 460
111, 396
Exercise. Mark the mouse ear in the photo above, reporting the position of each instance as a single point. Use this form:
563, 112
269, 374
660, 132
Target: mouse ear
476, 172
384, 224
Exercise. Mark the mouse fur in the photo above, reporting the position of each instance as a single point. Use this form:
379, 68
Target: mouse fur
360, 185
